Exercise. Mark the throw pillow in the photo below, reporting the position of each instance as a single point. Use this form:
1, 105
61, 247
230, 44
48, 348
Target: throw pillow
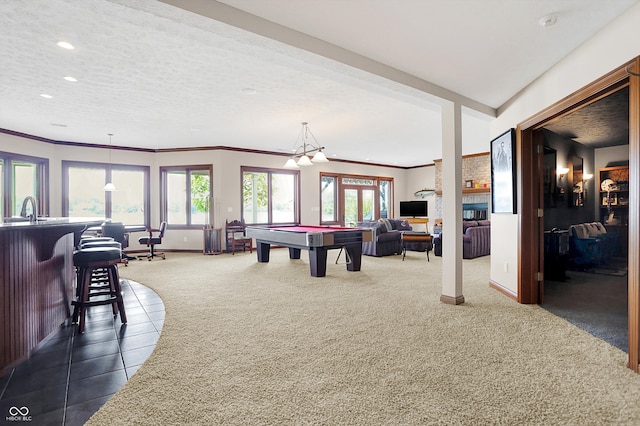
387, 224
404, 226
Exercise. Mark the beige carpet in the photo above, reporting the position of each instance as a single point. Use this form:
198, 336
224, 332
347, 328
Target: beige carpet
250, 344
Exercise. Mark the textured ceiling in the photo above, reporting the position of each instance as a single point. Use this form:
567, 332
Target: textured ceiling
600, 124
157, 76
487, 50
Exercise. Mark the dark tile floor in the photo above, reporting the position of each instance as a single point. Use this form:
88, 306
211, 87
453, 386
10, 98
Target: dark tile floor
596, 303
71, 376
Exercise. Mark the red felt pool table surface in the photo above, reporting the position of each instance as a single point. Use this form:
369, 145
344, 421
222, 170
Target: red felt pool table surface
308, 228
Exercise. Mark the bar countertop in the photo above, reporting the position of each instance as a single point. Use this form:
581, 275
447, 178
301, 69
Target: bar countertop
46, 222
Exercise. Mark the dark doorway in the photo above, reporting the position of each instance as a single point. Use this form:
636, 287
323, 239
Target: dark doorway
585, 282
531, 283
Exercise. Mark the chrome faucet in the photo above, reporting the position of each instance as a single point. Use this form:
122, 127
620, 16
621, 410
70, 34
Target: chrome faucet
34, 208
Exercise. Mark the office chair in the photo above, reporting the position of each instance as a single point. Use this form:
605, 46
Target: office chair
116, 230
151, 241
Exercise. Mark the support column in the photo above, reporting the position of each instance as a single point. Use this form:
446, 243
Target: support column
452, 204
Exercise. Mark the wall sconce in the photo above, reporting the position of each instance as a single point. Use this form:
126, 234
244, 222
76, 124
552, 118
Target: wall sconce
587, 176
562, 171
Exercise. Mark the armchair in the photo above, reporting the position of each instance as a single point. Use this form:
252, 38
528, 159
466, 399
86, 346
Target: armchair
608, 240
151, 241
584, 249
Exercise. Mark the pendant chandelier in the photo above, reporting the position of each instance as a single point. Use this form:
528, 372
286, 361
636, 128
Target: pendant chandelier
306, 144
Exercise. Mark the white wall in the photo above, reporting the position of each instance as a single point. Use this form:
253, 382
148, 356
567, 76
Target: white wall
614, 154
226, 179
613, 46
417, 179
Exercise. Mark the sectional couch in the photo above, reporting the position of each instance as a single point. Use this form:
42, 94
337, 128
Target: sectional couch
387, 236
476, 239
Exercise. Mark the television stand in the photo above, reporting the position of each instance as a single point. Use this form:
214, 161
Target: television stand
418, 220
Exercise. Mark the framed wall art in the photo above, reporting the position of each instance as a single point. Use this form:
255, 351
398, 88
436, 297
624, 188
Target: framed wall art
503, 173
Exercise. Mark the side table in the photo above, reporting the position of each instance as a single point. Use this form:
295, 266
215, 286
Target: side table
412, 236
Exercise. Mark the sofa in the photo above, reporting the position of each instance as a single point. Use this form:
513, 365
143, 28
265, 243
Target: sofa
476, 239
387, 236
591, 244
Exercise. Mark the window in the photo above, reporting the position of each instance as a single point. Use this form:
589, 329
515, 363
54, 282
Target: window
86, 192
328, 199
270, 196
83, 188
347, 199
128, 202
186, 191
20, 177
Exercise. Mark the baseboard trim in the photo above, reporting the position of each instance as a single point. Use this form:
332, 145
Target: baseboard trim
510, 294
451, 300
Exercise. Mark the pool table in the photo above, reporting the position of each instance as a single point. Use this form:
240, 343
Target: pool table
316, 239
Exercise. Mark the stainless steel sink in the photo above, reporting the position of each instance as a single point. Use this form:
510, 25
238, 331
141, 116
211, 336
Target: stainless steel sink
14, 219
20, 219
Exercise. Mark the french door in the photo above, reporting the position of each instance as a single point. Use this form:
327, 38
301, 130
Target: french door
359, 203
348, 199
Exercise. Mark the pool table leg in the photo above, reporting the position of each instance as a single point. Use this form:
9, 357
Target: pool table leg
318, 261
263, 250
294, 253
355, 255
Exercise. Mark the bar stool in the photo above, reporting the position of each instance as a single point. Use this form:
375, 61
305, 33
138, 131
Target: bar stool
104, 242
90, 284
94, 239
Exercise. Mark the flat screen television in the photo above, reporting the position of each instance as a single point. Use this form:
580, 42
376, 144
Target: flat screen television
416, 208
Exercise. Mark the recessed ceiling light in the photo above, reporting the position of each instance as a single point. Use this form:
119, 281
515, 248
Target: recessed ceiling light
65, 45
44, 95
71, 79
249, 91
548, 20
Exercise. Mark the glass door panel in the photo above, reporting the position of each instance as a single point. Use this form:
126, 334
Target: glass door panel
350, 207
359, 204
368, 201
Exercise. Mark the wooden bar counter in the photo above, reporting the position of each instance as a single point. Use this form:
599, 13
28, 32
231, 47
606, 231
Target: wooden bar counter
36, 282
